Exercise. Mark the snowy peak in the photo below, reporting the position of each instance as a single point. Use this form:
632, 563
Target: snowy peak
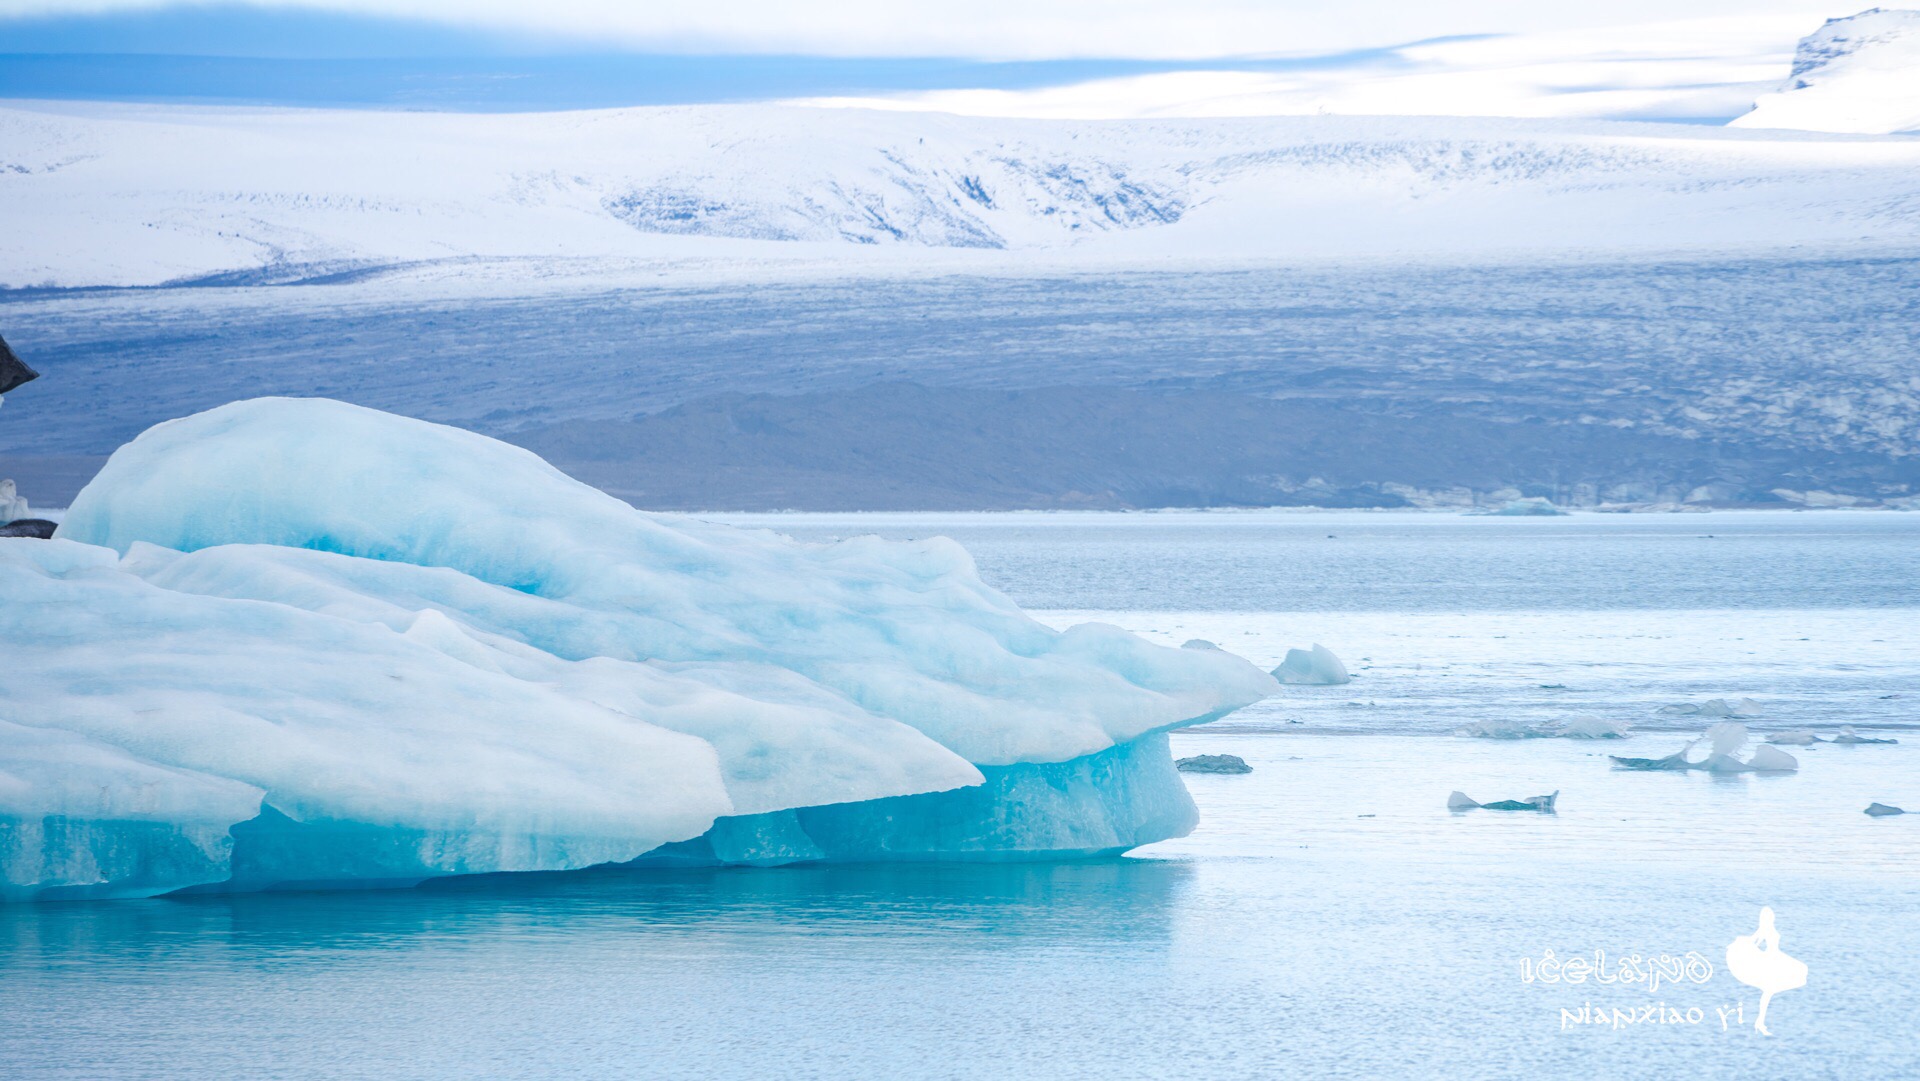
1869, 39
1857, 74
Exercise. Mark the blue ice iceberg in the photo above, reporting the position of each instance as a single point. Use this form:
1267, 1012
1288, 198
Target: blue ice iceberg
297, 642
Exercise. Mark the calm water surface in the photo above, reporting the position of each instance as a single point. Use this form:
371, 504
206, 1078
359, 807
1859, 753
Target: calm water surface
1329, 918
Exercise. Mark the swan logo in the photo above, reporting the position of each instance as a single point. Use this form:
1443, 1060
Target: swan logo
1756, 961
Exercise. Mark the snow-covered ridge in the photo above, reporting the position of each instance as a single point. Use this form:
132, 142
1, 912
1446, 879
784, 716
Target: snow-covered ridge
138, 195
1858, 74
301, 641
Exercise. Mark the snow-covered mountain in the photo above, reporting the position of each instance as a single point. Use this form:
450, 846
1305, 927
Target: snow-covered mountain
133, 195
1858, 74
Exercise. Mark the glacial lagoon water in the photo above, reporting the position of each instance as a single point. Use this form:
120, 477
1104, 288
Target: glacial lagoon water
1329, 917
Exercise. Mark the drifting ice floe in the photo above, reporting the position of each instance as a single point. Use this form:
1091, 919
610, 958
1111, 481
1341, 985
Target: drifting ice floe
1459, 801
1213, 763
1848, 736
12, 506
1713, 707
1583, 726
300, 641
1800, 737
1724, 743
1765, 758
1882, 810
1500, 728
1587, 726
1535, 507
1316, 667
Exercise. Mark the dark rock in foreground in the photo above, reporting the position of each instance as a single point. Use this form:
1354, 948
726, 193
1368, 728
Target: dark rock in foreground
38, 528
13, 370
1213, 763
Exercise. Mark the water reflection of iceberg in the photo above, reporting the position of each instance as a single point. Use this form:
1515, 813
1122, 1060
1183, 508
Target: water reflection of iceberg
1125, 901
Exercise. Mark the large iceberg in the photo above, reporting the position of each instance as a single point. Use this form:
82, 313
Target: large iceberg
298, 642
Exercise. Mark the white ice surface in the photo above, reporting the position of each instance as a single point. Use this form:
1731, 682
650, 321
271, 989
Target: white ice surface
49, 771
905, 630
333, 720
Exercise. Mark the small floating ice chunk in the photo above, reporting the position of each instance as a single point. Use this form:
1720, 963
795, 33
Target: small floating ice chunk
1799, 737
1713, 707
1849, 737
1676, 761
1535, 507
1583, 726
1316, 667
1772, 759
1727, 738
1724, 741
12, 506
1460, 801
1213, 763
1499, 728
1587, 726
1198, 643
1882, 810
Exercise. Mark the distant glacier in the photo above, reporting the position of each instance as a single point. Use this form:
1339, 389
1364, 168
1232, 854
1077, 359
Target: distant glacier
105, 194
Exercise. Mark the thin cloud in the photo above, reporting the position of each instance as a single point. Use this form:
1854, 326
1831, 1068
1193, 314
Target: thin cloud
1002, 29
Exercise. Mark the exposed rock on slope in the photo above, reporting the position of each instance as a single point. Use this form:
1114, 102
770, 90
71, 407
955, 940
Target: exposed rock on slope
13, 370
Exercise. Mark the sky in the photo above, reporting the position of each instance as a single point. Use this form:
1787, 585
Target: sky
1692, 60
978, 29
